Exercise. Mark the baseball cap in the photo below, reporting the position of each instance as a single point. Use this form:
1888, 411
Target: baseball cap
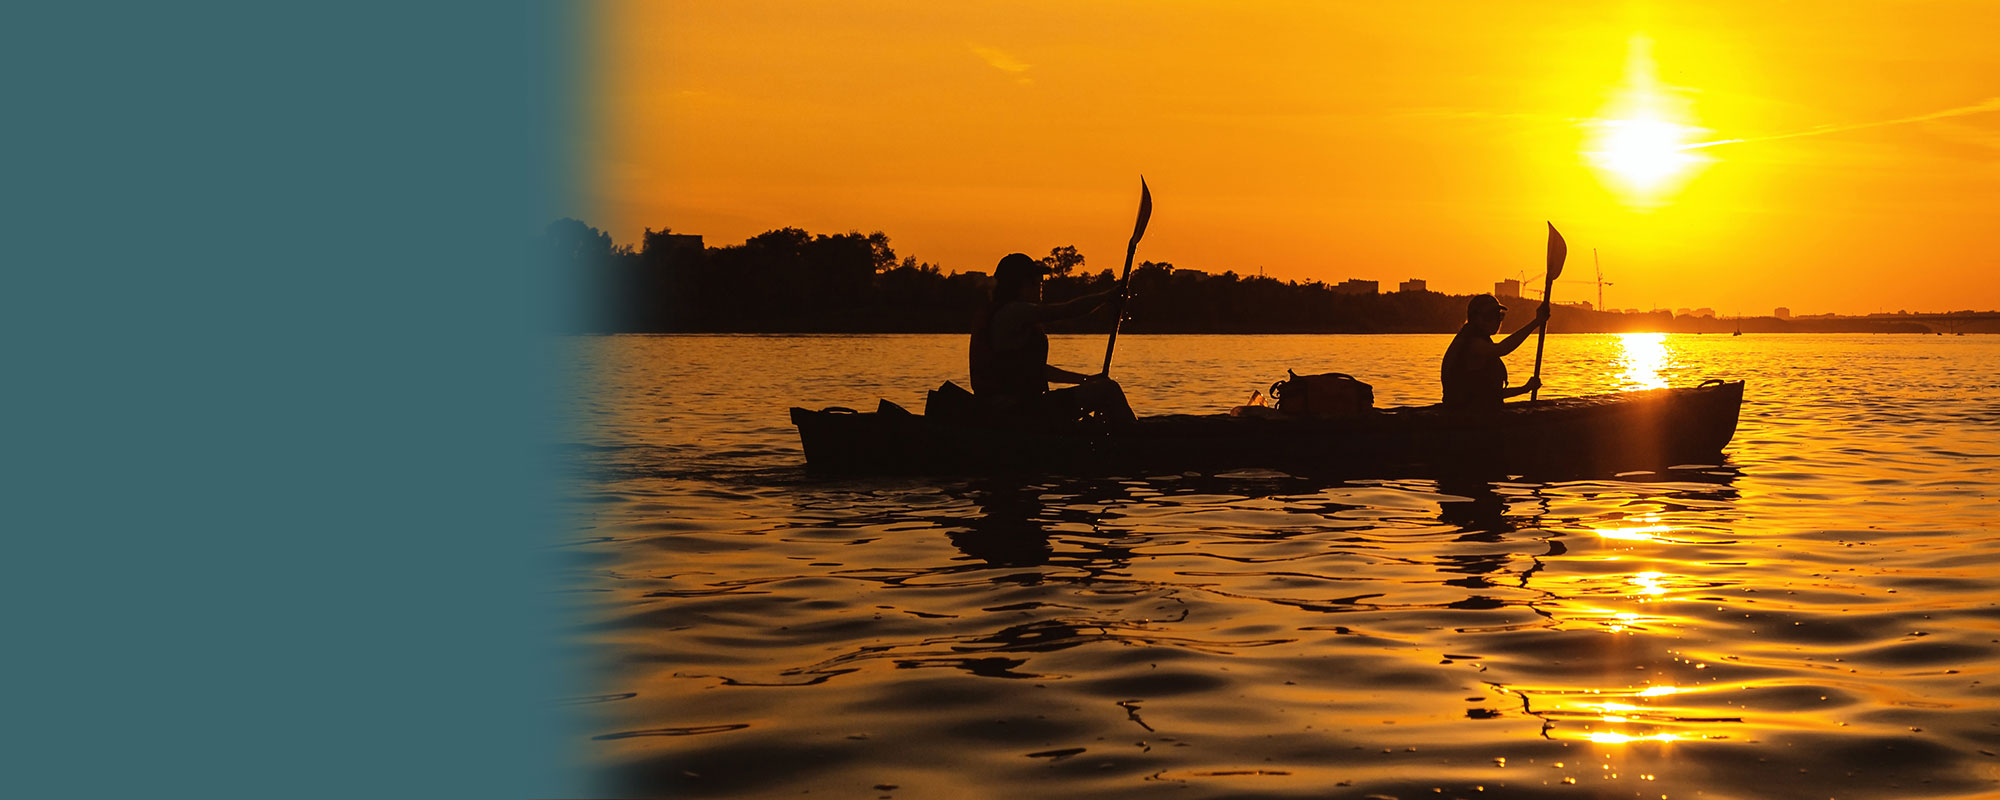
1018, 266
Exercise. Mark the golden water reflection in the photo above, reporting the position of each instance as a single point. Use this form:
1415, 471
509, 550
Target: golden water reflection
1587, 715
1639, 533
1601, 737
1646, 358
1836, 556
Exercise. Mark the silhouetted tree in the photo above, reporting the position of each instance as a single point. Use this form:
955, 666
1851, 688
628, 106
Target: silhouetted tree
1061, 260
910, 262
587, 252
878, 248
574, 242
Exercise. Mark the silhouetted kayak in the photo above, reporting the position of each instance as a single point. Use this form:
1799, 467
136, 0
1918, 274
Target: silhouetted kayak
1624, 431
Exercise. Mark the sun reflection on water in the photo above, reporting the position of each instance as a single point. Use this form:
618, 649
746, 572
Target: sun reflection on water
1615, 621
1645, 357
1640, 533
1649, 583
1585, 715
1605, 737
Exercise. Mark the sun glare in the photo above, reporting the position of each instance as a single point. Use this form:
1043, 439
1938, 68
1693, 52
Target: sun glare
1639, 139
1643, 153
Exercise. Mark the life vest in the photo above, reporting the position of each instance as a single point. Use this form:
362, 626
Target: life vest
1014, 372
1472, 379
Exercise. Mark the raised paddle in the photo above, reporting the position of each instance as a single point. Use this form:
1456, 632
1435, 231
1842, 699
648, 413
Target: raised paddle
1125, 283
1558, 251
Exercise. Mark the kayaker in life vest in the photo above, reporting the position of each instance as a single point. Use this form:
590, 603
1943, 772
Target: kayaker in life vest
1474, 376
1010, 352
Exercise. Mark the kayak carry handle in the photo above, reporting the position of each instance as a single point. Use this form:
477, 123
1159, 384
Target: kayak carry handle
1711, 382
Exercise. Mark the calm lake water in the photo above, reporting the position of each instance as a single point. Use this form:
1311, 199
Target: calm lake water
1818, 616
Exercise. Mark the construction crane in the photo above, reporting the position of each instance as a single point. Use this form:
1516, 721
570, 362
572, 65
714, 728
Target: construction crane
1600, 278
1528, 284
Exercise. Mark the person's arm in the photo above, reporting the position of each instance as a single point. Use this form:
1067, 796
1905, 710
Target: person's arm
1074, 308
1509, 344
1532, 384
1055, 374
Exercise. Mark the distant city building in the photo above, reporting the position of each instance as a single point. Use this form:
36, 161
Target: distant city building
671, 249
1412, 285
1356, 286
1507, 288
1782, 313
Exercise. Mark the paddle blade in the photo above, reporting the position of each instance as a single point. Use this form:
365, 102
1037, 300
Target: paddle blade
1145, 211
1558, 251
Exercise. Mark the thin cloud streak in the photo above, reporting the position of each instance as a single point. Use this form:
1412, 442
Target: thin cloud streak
1990, 104
1444, 112
999, 59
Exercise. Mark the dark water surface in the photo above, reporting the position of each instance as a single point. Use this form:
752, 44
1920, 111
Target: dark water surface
1819, 616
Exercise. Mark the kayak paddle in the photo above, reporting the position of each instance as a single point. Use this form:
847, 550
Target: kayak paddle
1558, 252
1125, 283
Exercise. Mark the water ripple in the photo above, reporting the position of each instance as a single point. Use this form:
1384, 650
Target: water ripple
1820, 611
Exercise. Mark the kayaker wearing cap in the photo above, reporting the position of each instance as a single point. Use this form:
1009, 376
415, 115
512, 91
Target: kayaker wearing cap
1474, 376
1010, 351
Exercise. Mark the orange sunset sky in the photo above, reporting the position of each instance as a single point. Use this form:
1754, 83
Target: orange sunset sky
1828, 157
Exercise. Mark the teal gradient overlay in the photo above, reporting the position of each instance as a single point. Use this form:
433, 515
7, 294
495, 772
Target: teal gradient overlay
283, 400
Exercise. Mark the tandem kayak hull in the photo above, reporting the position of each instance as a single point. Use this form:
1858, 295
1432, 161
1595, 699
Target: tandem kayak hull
1625, 431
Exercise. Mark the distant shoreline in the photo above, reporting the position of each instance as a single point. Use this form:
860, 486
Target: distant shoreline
791, 281
1276, 333
1362, 315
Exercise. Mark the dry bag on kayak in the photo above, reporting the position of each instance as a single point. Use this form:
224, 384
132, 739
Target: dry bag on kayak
1332, 394
950, 402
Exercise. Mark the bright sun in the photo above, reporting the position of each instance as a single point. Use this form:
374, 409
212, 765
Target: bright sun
1645, 153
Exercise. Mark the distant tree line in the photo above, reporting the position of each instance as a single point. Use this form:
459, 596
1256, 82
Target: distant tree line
791, 281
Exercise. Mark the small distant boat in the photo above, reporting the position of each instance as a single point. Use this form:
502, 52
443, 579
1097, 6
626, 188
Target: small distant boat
1623, 431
